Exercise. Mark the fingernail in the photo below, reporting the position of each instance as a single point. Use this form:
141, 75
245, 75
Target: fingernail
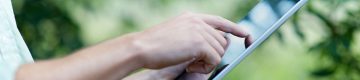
246, 34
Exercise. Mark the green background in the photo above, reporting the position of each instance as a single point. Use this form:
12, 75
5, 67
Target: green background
320, 42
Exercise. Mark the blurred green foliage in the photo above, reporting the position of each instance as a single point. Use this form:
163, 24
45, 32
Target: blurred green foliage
337, 46
50, 30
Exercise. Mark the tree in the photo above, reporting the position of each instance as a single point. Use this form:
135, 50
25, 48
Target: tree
48, 31
338, 44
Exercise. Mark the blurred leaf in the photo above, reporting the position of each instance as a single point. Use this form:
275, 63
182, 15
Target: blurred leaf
280, 36
338, 43
47, 29
323, 72
332, 48
295, 21
129, 23
317, 47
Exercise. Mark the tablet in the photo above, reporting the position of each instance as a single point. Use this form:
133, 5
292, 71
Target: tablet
266, 17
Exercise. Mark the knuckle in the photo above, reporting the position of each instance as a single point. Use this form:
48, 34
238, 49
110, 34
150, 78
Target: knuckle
217, 61
222, 51
223, 42
199, 42
198, 27
194, 19
219, 17
188, 14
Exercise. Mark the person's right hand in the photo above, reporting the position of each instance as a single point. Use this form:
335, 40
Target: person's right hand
194, 42
189, 37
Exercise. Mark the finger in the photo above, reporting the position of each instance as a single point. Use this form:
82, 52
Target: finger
227, 26
196, 67
227, 40
210, 57
218, 35
248, 41
176, 69
212, 42
194, 76
223, 24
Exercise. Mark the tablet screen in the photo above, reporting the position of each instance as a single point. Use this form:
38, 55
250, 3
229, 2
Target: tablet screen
261, 18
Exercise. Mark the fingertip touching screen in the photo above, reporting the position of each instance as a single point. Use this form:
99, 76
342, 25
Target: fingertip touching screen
259, 20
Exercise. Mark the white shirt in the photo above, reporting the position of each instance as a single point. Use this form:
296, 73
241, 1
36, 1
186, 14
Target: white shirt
13, 50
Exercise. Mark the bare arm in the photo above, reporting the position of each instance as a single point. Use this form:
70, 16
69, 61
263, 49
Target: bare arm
194, 38
100, 62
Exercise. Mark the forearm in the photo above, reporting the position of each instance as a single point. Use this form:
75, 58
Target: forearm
152, 75
168, 73
145, 75
113, 59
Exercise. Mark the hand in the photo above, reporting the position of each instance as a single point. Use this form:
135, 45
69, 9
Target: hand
194, 38
191, 36
168, 73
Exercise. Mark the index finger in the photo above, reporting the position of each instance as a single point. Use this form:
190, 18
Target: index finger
224, 25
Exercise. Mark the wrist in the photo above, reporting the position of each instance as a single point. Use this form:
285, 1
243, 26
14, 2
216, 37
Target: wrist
140, 49
136, 49
117, 57
126, 57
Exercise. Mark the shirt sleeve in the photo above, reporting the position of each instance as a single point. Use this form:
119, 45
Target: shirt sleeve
13, 50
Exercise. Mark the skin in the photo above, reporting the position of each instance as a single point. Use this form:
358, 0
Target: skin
192, 42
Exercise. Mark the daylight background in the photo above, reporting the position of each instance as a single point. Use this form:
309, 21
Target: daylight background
320, 42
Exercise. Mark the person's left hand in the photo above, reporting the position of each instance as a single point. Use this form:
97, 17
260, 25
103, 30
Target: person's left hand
168, 73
